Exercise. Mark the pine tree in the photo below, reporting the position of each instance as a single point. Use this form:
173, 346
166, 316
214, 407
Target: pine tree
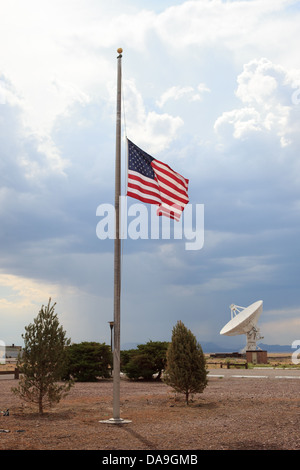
87, 361
186, 369
43, 360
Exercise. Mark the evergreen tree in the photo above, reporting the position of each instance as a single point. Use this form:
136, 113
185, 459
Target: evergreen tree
145, 361
43, 360
186, 368
87, 361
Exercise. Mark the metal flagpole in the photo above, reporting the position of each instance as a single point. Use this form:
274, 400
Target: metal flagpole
117, 255
116, 419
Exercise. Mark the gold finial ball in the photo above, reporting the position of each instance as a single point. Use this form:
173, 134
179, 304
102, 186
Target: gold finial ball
120, 50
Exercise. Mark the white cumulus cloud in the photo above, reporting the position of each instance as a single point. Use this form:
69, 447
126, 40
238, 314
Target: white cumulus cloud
178, 92
151, 129
265, 89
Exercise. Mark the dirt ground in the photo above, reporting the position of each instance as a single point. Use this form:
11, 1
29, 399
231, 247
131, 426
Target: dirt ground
231, 414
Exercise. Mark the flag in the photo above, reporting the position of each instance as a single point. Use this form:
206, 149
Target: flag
152, 181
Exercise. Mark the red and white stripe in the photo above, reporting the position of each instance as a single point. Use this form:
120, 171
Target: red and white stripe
169, 190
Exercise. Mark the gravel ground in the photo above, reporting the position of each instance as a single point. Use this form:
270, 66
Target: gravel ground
261, 412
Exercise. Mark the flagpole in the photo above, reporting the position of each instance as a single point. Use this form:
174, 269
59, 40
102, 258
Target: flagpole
117, 251
116, 419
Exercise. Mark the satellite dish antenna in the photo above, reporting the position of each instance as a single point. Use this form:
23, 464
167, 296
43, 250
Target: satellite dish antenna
243, 321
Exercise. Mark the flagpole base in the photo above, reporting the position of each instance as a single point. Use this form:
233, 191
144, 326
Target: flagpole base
115, 421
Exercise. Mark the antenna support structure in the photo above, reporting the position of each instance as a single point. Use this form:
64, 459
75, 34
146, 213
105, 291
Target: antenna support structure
253, 335
244, 321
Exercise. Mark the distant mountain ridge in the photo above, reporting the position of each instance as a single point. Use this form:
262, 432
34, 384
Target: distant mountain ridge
277, 348
210, 347
272, 348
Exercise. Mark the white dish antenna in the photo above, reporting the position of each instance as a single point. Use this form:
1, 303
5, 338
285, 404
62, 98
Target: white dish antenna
243, 321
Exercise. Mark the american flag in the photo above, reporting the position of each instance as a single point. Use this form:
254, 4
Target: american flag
152, 181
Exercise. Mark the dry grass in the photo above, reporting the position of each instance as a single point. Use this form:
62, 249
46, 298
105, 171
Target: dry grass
274, 360
230, 414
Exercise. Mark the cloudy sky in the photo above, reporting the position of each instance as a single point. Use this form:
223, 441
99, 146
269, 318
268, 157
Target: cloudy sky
210, 87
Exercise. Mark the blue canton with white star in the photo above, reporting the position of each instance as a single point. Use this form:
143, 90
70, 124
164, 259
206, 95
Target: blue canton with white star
140, 161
